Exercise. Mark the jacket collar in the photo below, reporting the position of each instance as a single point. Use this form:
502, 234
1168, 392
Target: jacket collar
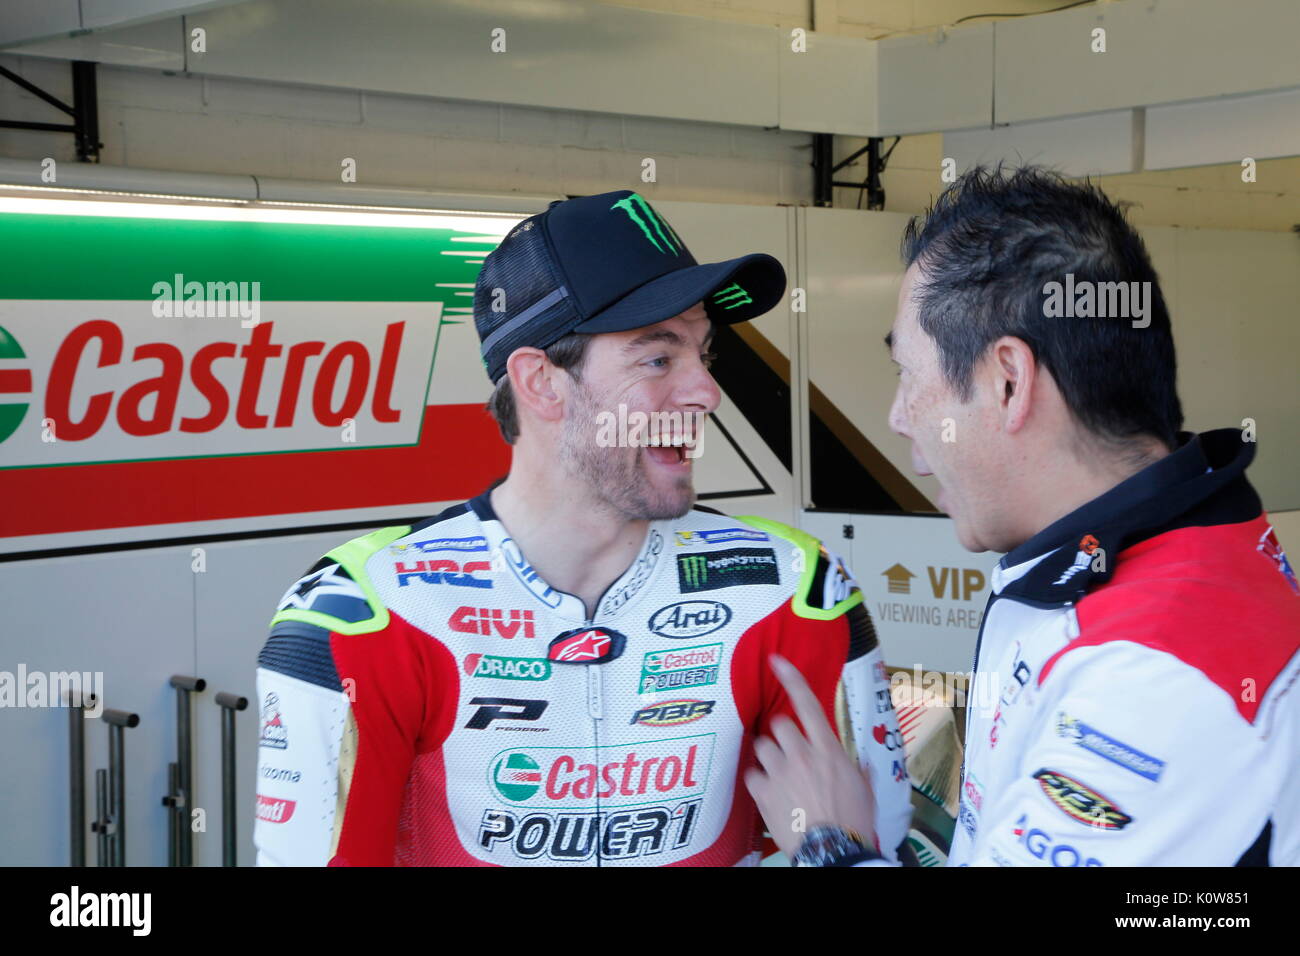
1201, 483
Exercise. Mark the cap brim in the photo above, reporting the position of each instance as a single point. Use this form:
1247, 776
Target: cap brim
758, 277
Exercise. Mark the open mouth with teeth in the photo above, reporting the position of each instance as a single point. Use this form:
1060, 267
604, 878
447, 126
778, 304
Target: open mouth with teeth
670, 452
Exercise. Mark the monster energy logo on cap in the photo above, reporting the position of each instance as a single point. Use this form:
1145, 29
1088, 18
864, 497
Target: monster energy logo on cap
732, 297
656, 230
724, 569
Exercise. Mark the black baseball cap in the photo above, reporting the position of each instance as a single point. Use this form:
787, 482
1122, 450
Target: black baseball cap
606, 263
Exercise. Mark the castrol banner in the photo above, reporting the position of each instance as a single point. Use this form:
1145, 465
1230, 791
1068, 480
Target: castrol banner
172, 371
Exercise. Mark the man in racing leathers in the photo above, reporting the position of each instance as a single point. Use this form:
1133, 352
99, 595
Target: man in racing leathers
1135, 677
571, 668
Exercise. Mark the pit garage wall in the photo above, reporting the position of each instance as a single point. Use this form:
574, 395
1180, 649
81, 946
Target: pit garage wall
142, 615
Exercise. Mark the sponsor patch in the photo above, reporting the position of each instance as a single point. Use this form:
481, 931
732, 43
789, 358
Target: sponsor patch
1116, 751
507, 668
1040, 845
711, 570
689, 619
1080, 802
718, 536
687, 667
274, 734
443, 571
672, 713
572, 837
586, 645
564, 778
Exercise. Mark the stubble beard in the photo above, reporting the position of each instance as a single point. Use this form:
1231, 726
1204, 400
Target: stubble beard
615, 478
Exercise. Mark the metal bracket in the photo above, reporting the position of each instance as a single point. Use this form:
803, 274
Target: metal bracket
84, 109
824, 170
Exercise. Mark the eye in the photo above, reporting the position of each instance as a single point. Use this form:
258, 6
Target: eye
708, 358
662, 358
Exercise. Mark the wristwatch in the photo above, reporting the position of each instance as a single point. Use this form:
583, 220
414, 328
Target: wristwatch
833, 846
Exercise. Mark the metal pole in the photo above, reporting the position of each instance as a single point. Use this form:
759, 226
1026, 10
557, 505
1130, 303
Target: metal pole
118, 721
100, 825
169, 801
77, 775
183, 789
229, 704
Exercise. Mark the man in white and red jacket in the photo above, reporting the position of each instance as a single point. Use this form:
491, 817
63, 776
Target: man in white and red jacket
1141, 645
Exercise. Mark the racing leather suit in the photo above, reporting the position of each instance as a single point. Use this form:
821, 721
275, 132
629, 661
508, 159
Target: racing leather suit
1135, 700
427, 699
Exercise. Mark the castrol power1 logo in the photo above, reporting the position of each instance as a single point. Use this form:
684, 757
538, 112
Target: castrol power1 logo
107, 381
558, 778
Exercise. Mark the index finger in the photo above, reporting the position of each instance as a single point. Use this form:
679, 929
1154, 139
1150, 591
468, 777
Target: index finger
806, 706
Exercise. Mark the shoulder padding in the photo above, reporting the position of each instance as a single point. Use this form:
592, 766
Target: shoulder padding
825, 590
337, 594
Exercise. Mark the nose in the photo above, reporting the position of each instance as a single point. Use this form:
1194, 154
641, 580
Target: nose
698, 390
898, 414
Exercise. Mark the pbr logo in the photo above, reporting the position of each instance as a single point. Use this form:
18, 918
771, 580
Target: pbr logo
274, 733
586, 645
724, 569
1081, 803
689, 619
672, 713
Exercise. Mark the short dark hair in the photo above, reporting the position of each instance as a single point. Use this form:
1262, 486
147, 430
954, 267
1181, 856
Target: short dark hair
569, 352
988, 247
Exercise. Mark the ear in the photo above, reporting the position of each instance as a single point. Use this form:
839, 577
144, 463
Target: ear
532, 380
1015, 374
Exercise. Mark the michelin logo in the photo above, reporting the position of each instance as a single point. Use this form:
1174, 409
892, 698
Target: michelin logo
1116, 751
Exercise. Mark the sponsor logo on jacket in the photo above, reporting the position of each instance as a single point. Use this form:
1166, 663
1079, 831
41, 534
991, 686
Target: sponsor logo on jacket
718, 536
673, 713
1080, 802
274, 734
492, 620
443, 571
574, 836
1040, 845
1116, 751
688, 667
274, 809
711, 570
689, 619
614, 776
507, 668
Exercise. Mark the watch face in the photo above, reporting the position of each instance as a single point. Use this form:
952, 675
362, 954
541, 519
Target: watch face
825, 845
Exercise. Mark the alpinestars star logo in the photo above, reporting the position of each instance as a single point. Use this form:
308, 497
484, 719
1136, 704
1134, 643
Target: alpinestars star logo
655, 229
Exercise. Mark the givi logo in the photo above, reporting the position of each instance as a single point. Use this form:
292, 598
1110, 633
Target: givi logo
15, 383
118, 384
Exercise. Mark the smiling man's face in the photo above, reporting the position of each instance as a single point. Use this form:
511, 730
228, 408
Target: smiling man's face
957, 442
661, 368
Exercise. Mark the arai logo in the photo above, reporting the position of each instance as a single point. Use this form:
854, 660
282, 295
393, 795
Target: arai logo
690, 618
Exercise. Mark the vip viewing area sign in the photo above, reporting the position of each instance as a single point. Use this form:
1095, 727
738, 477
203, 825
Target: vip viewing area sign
170, 370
